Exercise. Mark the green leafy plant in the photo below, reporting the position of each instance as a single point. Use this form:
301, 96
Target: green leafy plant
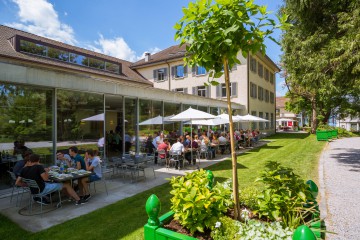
196, 206
248, 197
284, 196
228, 228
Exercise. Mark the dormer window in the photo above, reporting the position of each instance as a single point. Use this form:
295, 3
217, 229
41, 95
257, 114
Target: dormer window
34, 47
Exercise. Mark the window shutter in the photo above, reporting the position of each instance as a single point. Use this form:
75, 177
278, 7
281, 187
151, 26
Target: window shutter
185, 71
173, 72
193, 71
218, 91
194, 90
185, 90
208, 93
255, 91
155, 75
234, 89
165, 74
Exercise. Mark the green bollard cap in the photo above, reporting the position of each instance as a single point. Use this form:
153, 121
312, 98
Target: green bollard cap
210, 176
303, 233
152, 208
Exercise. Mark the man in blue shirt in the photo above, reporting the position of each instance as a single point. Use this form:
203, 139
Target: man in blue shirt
80, 164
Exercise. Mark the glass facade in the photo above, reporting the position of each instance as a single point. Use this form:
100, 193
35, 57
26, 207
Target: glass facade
76, 121
38, 116
26, 116
149, 109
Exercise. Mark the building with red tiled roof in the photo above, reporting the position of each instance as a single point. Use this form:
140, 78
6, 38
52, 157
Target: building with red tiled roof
53, 94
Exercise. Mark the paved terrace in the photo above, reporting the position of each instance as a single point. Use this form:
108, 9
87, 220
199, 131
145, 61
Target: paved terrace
118, 189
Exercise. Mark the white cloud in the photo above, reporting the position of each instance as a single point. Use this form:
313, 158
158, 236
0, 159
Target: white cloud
40, 18
117, 47
65, 13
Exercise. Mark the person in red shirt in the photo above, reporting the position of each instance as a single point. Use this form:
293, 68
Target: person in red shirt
164, 146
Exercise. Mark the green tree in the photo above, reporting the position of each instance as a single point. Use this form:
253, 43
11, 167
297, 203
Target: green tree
215, 32
321, 57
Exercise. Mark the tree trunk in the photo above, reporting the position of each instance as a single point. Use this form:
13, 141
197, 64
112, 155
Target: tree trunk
232, 142
314, 116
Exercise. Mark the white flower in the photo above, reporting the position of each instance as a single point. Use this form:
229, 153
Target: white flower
217, 224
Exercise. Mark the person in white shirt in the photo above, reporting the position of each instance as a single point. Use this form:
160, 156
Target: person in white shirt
222, 143
178, 147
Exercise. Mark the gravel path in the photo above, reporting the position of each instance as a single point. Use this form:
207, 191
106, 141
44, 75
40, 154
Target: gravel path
340, 188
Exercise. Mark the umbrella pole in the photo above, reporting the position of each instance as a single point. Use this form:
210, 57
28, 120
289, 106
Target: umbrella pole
191, 142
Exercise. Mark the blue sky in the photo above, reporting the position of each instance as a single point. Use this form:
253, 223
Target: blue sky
123, 29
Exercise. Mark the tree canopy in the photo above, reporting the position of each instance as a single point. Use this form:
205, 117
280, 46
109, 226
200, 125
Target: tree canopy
215, 32
322, 56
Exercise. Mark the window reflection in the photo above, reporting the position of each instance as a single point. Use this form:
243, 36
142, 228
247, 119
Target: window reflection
149, 109
79, 59
79, 119
25, 115
130, 125
172, 109
58, 54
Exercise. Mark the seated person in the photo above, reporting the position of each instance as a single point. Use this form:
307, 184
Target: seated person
222, 143
22, 163
63, 158
92, 163
80, 164
164, 146
191, 152
36, 171
178, 147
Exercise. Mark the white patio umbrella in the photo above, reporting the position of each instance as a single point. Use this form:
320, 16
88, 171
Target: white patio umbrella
250, 118
157, 120
226, 116
192, 114
98, 117
209, 122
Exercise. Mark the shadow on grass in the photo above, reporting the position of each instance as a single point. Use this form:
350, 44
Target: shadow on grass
264, 147
225, 165
288, 136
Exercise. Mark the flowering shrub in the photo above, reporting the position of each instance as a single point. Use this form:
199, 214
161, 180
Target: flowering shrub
227, 228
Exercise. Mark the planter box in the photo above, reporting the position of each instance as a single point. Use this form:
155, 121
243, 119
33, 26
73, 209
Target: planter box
322, 135
329, 132
160, 233
334, 133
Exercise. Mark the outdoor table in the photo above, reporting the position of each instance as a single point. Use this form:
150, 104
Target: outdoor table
68, 176
71, 176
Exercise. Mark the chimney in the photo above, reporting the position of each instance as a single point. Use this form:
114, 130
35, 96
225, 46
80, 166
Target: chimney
147, 56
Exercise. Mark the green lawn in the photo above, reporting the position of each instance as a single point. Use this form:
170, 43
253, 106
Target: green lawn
125, 219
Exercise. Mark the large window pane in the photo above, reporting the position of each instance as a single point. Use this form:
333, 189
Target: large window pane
114, 125
25, 115
79, 119
172, 128
149, 109
33, 48
130, 124
58, 54
79, 59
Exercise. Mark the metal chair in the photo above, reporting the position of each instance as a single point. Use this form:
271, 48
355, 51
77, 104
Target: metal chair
33, 184
102, 179
204, 151
163, 157
18, 188
174, 157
